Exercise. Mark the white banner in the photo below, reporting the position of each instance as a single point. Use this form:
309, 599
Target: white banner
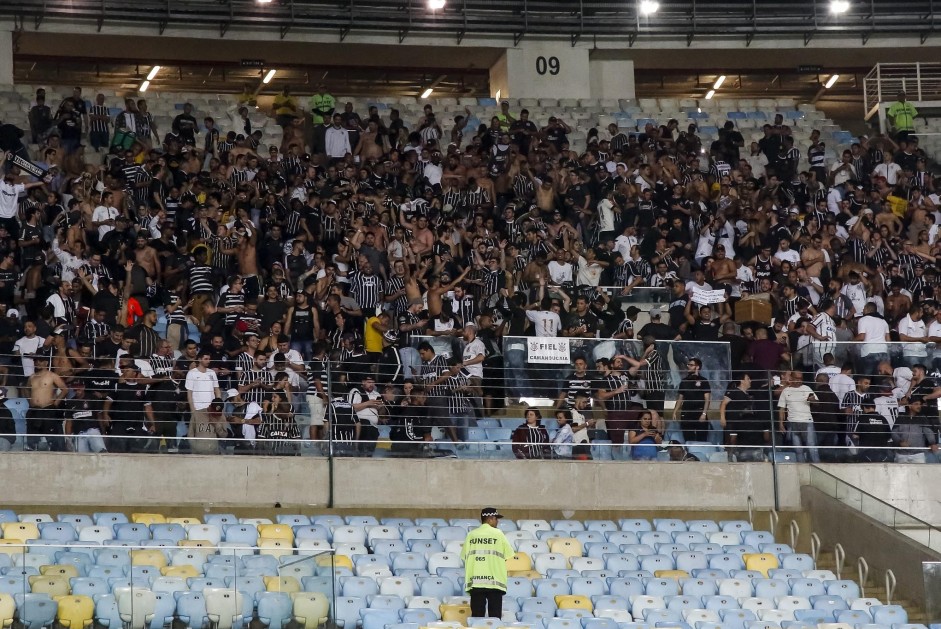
705, 297
548, 350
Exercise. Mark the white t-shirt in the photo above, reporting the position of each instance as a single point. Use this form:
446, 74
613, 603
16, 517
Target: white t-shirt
841, 384
203, 385
788, 256
580, 436
472, 350
545, 322
9, 198
26, 347
103, 213
857, 295
874, 330
369, 414
795, 402
623, 244
606, 215
560, 273
825, 326
890, 171
914, 329
589, 273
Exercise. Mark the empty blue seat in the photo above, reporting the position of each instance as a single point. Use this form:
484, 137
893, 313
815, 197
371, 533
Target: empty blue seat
622, 537
421, 616
771, 588
164, 610
797, 561
889, 614
661, 587
275, 610
634, 525
844, 588
653, 563
603, 526
854, 617
662, 615
814, 616
244, 534
220, 519
699, 587
107, 572
587, 587
108, 518
81, 561
89, 586
378, 618
441, 587
293, 520
807, 587
57, 531
174, 532
250, 587
598, 550
719, 603
7, 515
551, 587
683, 602
828, 602
35, 611
689, 537
358, 587
690, 561
132, 532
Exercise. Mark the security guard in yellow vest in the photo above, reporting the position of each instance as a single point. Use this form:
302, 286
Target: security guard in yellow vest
485, 554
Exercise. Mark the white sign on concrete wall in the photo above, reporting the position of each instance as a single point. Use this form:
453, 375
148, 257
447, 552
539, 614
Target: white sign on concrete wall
547, 70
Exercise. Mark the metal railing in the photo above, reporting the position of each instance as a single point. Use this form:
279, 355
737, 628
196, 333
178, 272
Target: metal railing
920, 81
877, 509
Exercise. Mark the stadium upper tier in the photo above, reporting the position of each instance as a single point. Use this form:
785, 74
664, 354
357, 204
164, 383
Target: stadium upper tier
148, 570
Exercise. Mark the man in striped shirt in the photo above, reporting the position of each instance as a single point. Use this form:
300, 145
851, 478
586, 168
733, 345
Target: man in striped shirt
99, 121
366, 287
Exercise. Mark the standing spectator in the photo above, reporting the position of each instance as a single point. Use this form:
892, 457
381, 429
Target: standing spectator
122, 411
871, 435
914, 333
794, 409
99, 120
366, 401
822, 329
902, 115
40, 119
692, 403
43, 419
745, 430
563, 438
202, 387
185, 126
913, 434
873, 331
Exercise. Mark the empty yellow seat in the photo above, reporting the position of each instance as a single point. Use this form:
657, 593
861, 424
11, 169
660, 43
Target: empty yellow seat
566, 546
340, 561
53, 586
455, 613
275, 547
22, 531
671, 574
519, 562
276, 531
762, 562
185, 571
75, 612
148, 557
148, 518
59, 570
282, 584
573, 601
12, 546
7, 610
184, 521
195, 543
311, 609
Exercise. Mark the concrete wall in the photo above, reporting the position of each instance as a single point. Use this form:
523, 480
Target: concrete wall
216, 481
544, 70
611, 79
6, 57
914, 489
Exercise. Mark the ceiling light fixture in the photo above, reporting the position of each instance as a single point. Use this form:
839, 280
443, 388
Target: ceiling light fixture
143, 86
264, 1
838, 7
269, 76
719, 82
426, 93
436, 5
710, 94
153, 72
831, 81
649, 7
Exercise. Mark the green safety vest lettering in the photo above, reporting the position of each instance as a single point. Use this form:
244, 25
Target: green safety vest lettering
485, 553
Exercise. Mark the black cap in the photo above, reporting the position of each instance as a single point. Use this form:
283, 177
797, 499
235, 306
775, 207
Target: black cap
674, 442
490, 512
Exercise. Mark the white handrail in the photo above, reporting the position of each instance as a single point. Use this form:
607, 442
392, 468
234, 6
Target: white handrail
839, 556
795, 534
814, 547
862, 566
890, 584
773, 522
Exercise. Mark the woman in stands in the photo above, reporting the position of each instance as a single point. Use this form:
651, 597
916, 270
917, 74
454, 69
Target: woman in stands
644, 439
278, 429
531, 439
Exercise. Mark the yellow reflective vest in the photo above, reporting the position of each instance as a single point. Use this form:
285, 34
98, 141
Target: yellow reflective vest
485, 554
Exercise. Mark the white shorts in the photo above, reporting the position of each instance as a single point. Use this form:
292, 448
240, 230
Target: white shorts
318, 410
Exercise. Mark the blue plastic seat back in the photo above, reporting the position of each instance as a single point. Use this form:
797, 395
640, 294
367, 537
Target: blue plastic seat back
35, 610
274, 609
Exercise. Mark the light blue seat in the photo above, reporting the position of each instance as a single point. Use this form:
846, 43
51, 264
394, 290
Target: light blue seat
268, 562
132, 532
81, 561
807, 587
621, 561
221, 570
570, 526
756, 538
854, 617
662, 615
608, 601
535, 619
311, 531
797, 561
844, 588
323, 584
293, 520
563, 573
89, 586
720, 603
690, 560
622, 537
661, 587
35, 611
573, 614
747, 574
829, 602
773, 549
598, 550
603, 526
14, 585
106, 612
562, 623
710, 573
249, 587
396, 521
378, 618
244, 534
771, 588
551, 588
671, 549
785, 574
599, 623
359, 587
589, 537
537, 604
699, 587
682, 602
417, 532
112, 557
910, 626
424, 547
109, 518
634, 525
519, 587
164, 610
220, 519
385, 602
174, 532
637, 549
689, 538
626, 587
275, 609
654, 563
107, 572
587, 587
889, 614
420, 616
328, 521
409, 561
57, 531
813, 616
708, 549
198, 584
385, 547
671, 525
652, 538
739, 526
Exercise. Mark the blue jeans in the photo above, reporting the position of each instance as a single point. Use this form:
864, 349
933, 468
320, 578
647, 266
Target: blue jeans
803, 434
411, 362
305, 348
462, 421
869, 364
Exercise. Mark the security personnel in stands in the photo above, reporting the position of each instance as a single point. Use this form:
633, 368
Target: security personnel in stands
485, 554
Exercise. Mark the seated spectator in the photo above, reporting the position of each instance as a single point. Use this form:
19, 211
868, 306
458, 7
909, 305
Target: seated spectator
644, 439
531, 439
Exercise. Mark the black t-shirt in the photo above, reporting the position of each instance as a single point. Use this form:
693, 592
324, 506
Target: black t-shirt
694, 388
83, 413
101, 380
740, 412
705, 331
410, 423
7, 425
873, 431
127, 403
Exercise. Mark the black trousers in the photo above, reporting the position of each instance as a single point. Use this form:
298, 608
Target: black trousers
486, 603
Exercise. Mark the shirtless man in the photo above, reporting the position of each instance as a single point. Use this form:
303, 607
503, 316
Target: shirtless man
438, 288
248, 259
723, 268
812, 257
546, 197
293, 134
46, 392
368, 147
146, 258
423, 239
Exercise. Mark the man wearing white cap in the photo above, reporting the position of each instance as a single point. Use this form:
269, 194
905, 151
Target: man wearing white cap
485, 553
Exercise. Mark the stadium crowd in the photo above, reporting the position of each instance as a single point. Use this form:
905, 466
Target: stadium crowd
259, 294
